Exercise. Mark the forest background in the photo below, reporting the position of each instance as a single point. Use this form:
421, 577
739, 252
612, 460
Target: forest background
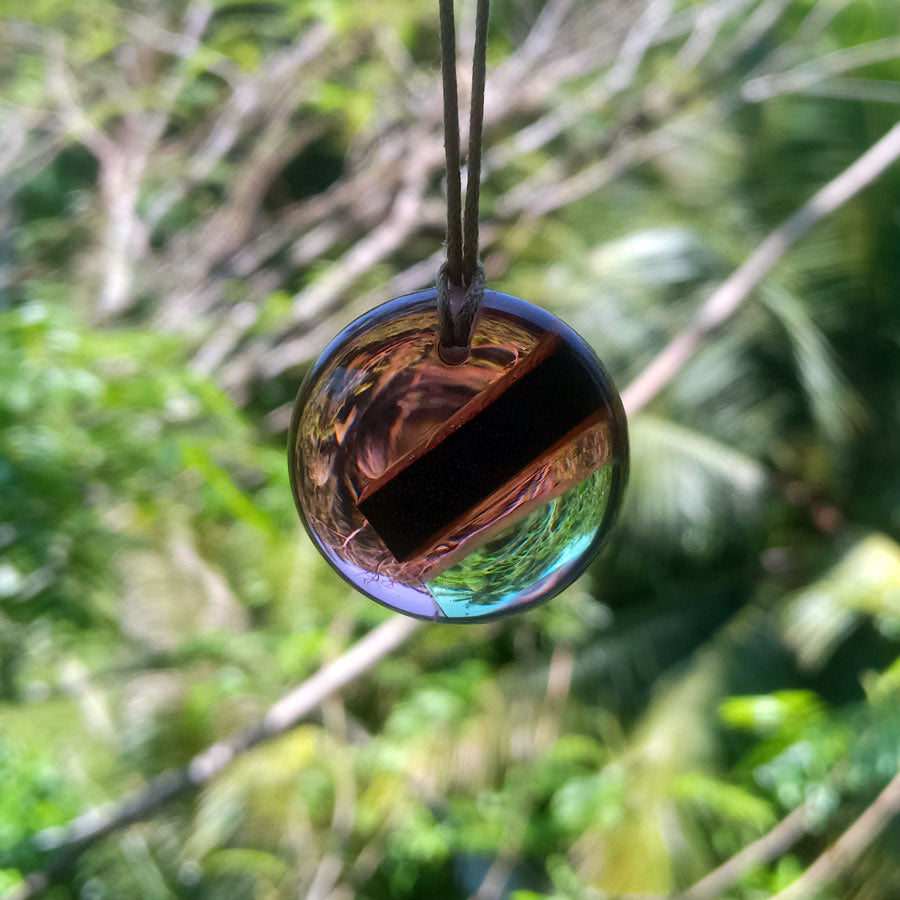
194, 197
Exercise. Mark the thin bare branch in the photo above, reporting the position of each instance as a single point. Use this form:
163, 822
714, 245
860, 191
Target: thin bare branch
861, 90
725, 301
356, 203
216, 348
771, 846
246, 99
809, 31
689, 20
280, 141
838, 858
706, 28
804, 76
16, 130
301, 349
73, 114
763, 19
543, 33
122, 172
196, 20
618, 78
557, 193
183, 45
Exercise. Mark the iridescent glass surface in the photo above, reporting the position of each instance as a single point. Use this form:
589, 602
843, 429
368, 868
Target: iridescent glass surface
379, 400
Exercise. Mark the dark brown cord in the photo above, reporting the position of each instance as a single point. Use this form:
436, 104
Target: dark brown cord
476, 125
451, 143
462, 272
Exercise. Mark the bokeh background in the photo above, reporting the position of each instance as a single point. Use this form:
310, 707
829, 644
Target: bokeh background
194, 197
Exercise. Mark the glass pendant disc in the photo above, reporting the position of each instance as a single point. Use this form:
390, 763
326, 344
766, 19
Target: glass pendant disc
458, 493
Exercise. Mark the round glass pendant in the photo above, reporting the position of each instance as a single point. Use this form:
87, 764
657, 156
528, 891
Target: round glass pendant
463, 492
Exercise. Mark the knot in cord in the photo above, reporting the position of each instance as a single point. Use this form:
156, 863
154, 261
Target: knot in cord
457, 308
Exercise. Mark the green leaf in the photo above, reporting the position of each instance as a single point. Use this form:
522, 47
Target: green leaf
768, 713
835, 405
730, 802
864, 583
232, 498
687, 488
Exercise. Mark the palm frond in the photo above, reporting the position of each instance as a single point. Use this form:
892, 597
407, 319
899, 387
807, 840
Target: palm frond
688, 489
864, 582
835, 406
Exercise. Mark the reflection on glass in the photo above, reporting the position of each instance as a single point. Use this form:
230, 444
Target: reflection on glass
379, 401
526, 559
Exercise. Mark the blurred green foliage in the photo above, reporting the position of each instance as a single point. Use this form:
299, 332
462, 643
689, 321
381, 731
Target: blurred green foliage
733, 654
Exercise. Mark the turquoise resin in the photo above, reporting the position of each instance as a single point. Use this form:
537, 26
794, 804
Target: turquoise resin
527, 558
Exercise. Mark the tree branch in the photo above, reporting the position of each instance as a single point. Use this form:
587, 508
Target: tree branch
82, 129
247, 99
725, 301
613, 82
805, 76
849, 846
771, 846
775, 843
354, 203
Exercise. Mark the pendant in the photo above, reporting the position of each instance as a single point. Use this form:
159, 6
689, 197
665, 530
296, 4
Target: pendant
458, 493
